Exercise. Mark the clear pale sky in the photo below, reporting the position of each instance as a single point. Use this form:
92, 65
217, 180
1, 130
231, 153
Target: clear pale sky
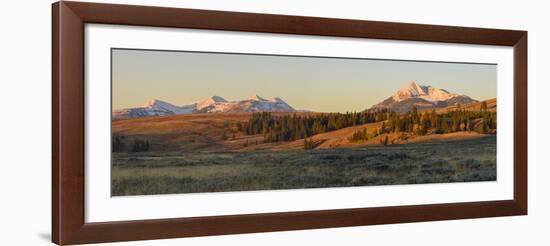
311, 83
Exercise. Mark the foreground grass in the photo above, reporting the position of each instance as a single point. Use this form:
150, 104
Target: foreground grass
463, 161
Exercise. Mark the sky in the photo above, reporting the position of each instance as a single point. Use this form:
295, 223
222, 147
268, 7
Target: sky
318, 84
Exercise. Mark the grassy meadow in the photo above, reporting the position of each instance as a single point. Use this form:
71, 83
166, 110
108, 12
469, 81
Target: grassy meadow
145, 173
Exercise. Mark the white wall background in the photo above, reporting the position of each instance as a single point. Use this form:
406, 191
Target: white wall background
25, 122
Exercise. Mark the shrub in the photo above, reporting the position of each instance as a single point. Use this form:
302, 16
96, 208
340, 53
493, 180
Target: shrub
308, 143
140, 145
384, 141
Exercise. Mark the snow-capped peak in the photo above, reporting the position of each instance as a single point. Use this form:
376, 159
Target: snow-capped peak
422, 97
209, 101
151, 102
278, 99
158, 104
414, 90
410, 90
256, 98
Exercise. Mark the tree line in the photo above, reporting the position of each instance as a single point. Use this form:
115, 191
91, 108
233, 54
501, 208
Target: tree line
431, 122
290, 127
280, 128
138, 145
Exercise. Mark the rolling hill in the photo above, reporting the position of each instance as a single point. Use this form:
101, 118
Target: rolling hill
206, 131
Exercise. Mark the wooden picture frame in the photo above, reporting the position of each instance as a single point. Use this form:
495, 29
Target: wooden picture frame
68, 223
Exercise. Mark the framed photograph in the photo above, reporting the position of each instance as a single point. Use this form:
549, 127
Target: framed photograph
177, 122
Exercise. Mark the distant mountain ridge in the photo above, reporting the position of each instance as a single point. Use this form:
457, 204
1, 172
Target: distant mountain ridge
421, 97
411, 95
214, 104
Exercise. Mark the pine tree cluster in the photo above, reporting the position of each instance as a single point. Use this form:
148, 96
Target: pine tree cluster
431, 122
280, 128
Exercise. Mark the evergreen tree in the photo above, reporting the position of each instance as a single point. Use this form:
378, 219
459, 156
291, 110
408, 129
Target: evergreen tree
117, 144
484, 107
140, 145
384, 140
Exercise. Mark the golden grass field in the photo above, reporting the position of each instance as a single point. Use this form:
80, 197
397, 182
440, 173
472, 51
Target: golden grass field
197, 172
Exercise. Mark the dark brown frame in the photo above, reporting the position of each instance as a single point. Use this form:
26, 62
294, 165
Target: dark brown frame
68, 19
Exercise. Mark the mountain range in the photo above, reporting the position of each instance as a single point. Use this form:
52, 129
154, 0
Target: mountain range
421, 97
409, 96
214, 104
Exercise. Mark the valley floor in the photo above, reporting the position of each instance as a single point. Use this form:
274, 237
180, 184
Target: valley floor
463, 160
